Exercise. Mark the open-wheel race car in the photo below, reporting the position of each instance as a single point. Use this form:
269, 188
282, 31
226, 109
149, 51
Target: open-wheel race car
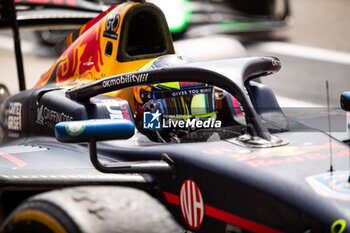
123, 135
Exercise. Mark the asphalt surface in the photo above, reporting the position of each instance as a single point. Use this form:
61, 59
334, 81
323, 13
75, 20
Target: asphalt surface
319, 24
304, 79
36, 58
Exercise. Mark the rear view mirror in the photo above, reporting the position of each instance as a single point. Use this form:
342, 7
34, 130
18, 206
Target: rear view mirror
100, 129
108, 129
345, 101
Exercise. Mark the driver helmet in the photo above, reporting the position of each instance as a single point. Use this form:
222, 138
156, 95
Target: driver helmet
175, 101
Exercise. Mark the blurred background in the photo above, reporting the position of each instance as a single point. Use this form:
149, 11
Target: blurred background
320, 23
320, 27
313, 47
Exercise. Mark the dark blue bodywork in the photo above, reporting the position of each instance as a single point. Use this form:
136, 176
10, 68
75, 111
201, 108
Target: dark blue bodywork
274, 181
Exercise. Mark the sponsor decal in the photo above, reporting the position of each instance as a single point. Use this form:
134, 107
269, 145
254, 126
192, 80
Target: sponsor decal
333, 185
236, 106
280, 155
276, 62
14, 116
154, 120
72, 63
112, 25
214, 212
125, 112
338, 226
49, 117
117, 109
192, 205
75, 129
191, 92
185, 84
129, 78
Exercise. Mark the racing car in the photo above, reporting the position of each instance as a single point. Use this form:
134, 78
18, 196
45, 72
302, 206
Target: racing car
123, 135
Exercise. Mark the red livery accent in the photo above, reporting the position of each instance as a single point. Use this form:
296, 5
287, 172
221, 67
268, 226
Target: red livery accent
237, 221
70, 67
172, 198
13, 159
223, 215
184, 84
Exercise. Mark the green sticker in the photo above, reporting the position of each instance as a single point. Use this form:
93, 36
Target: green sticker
75, 129
338, 226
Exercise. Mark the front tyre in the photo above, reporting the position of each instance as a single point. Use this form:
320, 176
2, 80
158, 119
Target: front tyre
92, 209
39, 217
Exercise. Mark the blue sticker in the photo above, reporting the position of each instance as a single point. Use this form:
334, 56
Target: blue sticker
333, 185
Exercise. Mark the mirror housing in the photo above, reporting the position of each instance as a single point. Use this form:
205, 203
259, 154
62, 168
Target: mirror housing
92, 131
345, 101
100, 130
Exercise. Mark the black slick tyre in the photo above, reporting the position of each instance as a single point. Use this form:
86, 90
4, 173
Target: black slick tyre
39, 217
92, 209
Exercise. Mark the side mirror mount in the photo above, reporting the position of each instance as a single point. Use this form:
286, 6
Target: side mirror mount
92, 131
345, 101
99, 129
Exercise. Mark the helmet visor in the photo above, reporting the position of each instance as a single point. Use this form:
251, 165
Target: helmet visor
189, 102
